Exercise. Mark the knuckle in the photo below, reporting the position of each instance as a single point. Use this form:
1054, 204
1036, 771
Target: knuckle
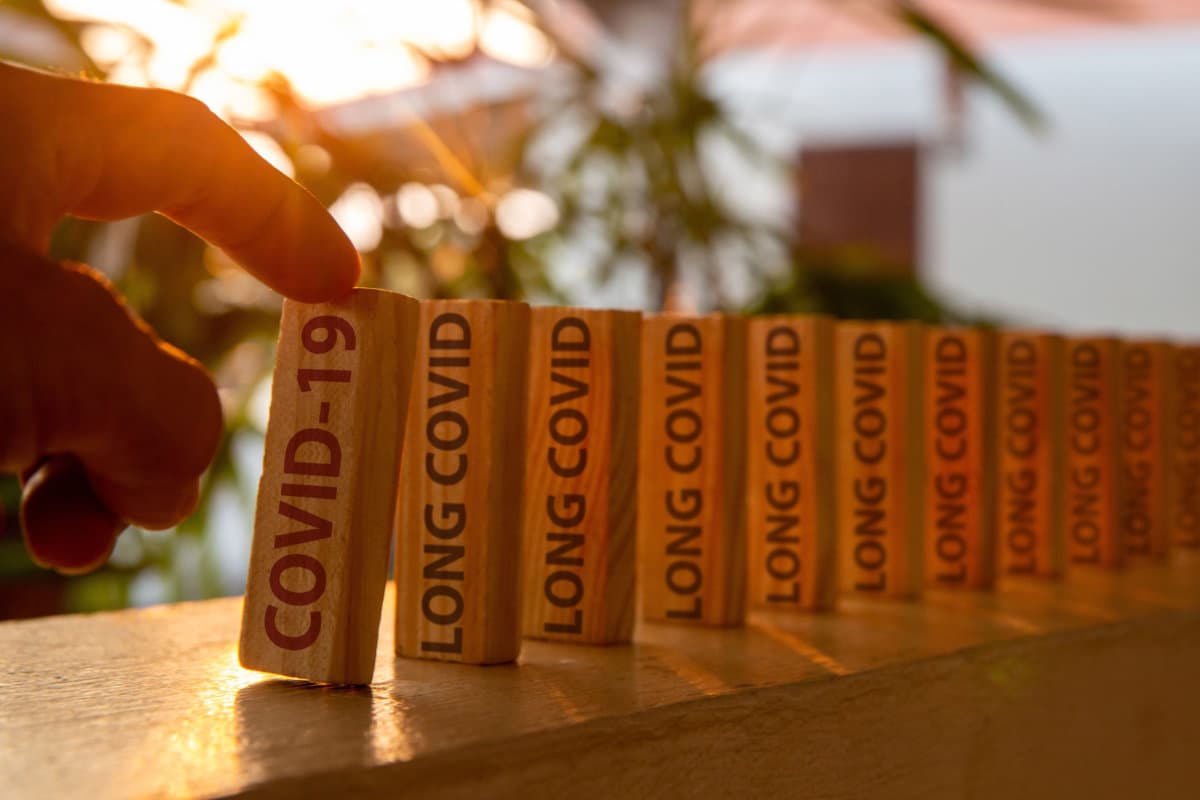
182, 112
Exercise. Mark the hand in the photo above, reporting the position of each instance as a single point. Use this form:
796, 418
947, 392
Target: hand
108, 424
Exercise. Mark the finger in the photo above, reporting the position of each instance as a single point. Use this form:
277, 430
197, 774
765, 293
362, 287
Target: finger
159, 422
66, 526
150, 150
142, 418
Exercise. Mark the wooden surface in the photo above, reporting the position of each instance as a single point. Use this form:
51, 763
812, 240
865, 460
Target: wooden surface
1144, 390
691, 475
1084, 688
880, 444
1093, 533
960, 459
323, 527
580, 519
1030, 503
1183, 480
458, 518
790, 516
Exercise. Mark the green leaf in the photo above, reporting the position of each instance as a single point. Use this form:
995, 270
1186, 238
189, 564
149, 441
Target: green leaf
963, 58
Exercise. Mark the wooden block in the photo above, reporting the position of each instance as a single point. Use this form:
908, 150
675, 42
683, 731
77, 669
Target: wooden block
458, 522
880, 494
790, 517
1144, 386
1030, 511
319, 560
691, 477
960, 458
581, 475
1183, 484
1091, 482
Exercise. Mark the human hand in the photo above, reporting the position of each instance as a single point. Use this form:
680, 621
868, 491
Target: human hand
107, 424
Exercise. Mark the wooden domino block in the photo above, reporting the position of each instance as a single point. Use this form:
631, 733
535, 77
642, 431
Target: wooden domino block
1183, 478
581, 475
458, 521
960, 459
1143, 390
880, 492
691, 475
1030, 440
318, 563
1091, 482
790, 522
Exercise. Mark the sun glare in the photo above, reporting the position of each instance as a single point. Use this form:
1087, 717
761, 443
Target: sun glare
329, 52
230, 53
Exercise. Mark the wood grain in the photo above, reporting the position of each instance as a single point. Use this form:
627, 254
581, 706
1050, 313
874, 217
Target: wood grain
691, 479
580, 521
458, 521
790, 517
1041, 689
1031, 444
322, 529
1144, 386
880, 472
960, 458
1091, 482
1183, 479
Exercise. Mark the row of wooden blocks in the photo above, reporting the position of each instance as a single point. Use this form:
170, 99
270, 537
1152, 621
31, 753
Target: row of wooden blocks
534, 462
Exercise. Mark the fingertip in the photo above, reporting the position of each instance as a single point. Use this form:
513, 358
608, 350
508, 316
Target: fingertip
298, 249
326, 264
149, 149
330, 275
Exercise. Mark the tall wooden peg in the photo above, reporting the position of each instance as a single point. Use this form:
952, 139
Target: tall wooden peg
790, 522
1183, 478
1031, 443
1143, 393
691, 476
880, 474
458, 522
960, 459
581, 475
318, 562
1091, 482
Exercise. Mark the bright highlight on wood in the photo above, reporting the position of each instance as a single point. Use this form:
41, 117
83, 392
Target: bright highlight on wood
318, 563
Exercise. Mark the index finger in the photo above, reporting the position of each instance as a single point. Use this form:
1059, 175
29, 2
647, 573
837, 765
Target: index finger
126, 151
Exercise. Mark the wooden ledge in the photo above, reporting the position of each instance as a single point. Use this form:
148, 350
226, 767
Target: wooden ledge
1087, 687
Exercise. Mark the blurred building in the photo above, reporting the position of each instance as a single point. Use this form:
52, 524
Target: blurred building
1085, 225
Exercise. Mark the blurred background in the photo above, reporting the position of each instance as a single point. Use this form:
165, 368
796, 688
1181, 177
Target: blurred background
1027, 161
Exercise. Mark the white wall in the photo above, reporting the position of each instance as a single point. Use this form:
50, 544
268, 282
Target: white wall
1095, 225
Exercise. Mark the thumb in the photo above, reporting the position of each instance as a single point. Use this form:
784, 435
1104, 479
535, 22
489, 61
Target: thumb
66, 526
141, 418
